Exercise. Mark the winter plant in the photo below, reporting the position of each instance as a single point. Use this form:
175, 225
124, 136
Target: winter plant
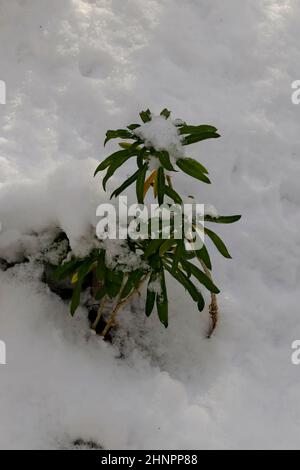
121, 268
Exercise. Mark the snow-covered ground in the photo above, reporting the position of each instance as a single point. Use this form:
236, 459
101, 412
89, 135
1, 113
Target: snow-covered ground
75, 68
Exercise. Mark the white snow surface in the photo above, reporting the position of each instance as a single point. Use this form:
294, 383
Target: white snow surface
76, 68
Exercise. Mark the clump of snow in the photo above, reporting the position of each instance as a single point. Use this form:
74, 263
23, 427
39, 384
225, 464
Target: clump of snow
55, 253
211, 210
155, 286
161, 134
119, 256
33, 212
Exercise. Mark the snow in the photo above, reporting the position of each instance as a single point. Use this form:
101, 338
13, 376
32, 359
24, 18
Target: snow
161, 134
73, 70
119, 256
65, 199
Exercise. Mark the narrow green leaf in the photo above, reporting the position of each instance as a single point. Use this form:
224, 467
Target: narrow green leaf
151, 296
113, 157
223, 219
131, 127
217, 242
114, 166
165, 161
140, 182
125, 185
86, 268
197, 129
201, 276
160, 185
141, 156
67, 269
152, 247
185, 282
200, 167
75, 298
100, 293
204, 256
193, 138
178, 255
162, 302
171, 193
167, 244
132, 282
192, 168
163, 311
112, 288
119, 133
201, 303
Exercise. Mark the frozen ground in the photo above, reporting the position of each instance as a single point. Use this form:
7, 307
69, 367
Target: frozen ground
76, 68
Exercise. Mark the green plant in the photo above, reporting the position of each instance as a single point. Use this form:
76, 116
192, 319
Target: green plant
158, 257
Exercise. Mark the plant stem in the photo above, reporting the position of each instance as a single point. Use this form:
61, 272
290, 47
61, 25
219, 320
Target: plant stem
99, 313
213, 308
119, 305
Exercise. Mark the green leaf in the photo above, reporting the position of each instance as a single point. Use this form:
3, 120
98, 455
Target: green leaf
193, 138
171, 193
114, 157
125, 185
119, 133
131, 127
204, 256
140, 159
160, 185
146, 116
112, 290
201, 303
140, 182
217, 242
197, 129
167, 244
162, 301
101, 268
166, 113
201, 276
100, 293
222, 219
192, 168
112, 284
185, 282
163, 311
75, 298
165, 161
200, 166
179, 252
132, 282
151, 296
153, 247
115, 165
127, 145
86, 268
67, 269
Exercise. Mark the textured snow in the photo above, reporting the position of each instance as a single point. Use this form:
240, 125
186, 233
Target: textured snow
76, 68
161, 134
119, 256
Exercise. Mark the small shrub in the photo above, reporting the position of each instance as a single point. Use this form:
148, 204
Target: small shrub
157, 155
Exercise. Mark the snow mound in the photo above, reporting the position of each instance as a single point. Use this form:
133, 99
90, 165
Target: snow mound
32, 212
161, 134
